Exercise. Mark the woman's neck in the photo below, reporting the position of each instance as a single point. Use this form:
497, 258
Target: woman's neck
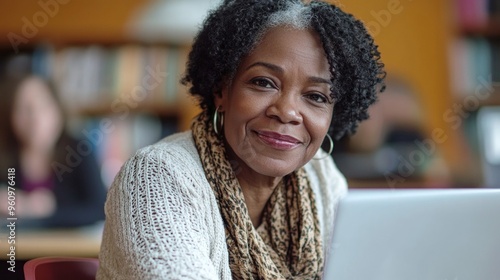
257, 191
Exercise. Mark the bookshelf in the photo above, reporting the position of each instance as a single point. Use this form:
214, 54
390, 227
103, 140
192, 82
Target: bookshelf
110, 79
475, 52
475, 68
102, 74
60, 34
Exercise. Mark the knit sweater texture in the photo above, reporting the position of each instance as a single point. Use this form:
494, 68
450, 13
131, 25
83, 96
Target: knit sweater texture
163, 221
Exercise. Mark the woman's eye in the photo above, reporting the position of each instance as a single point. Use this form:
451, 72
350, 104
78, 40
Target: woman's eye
262, 82
317, 97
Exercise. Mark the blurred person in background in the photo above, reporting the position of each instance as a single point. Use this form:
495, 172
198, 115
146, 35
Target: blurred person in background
391, 145
54, 186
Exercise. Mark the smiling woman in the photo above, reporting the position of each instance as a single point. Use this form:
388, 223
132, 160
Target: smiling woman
241, 194
278, 107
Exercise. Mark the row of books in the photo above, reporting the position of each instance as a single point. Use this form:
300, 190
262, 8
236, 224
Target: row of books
89, 75
120, 138
475, 65
477, 13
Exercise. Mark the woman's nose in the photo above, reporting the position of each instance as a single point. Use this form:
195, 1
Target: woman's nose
285, 108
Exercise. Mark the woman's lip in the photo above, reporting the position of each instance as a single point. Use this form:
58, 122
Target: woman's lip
277, 136
278, 141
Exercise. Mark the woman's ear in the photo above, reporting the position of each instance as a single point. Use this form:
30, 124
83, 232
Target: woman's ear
218, 100
221, 98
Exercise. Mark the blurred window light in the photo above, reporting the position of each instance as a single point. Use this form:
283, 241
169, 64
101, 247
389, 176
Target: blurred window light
490, 128
169, 21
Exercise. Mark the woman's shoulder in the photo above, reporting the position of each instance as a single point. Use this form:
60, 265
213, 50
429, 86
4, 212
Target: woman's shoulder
162, 195
173, 161
176, 151
179, 145
325, 176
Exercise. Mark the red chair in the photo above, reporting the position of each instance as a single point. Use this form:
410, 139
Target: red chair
61, 268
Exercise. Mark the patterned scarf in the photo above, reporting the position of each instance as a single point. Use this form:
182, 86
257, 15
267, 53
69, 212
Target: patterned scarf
288, 244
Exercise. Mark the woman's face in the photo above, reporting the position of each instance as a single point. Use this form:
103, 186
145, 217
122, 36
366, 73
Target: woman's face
277, 109
36, 119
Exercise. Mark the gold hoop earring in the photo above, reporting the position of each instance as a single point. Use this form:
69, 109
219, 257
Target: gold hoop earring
221, 117
331, 147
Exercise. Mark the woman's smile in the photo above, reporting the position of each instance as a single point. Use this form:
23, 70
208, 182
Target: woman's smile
278, 141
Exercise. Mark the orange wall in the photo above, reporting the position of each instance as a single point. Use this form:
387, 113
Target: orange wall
413, 37
65, 21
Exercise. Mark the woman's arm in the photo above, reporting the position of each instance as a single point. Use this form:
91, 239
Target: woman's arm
157, 225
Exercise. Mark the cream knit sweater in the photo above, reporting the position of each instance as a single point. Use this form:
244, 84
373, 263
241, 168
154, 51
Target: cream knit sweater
163, 222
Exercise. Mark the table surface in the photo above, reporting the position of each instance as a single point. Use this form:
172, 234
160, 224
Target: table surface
81, 242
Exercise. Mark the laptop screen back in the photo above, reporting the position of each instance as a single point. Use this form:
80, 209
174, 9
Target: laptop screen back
416, 235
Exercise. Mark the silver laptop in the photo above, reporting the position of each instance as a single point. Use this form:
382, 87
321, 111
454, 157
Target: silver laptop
449, 234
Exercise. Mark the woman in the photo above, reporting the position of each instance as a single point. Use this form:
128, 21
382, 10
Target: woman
247, 193
50, 192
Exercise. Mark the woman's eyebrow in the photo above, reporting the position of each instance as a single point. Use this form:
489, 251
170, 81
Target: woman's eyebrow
276, 68
319, 80
270, 66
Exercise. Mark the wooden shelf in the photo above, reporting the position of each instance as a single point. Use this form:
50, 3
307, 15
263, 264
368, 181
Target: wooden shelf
492, 100
103, 109
490, 30
184, 110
